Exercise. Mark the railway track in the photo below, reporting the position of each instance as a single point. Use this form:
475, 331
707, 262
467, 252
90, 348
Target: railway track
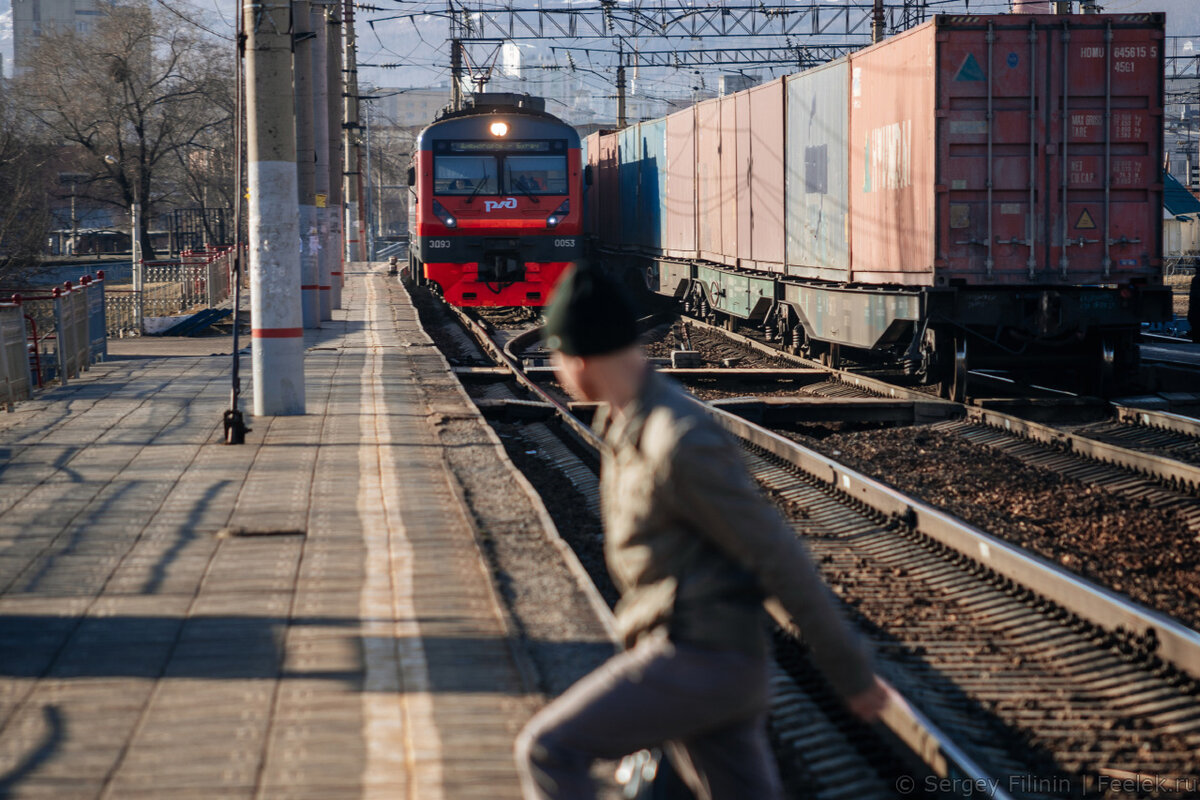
1157, 444
1032, 679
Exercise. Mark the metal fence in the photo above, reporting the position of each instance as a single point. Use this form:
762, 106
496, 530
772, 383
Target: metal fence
1180, 265
199, 279
61, 332
16, 382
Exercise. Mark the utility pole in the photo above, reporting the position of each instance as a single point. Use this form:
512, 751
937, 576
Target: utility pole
306, 175
621, 86
334, 80
320, 77
456, 71
877, 22
278, 338
351, 184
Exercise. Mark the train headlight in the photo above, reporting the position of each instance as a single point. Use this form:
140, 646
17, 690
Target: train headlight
499, 128
445, 216
560, 212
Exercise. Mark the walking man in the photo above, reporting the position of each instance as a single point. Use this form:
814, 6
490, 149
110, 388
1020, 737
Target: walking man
695, 549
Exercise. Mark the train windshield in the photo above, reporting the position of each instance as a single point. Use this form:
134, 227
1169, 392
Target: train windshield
467, 175
535, 174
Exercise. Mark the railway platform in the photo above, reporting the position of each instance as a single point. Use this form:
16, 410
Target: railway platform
314, 614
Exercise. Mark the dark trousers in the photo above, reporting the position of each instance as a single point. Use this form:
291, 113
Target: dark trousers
707, 707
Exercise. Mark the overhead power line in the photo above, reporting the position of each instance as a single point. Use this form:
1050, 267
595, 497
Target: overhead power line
636, 20
794, 55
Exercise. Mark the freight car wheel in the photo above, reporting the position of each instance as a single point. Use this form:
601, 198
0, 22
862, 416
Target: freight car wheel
958, 391
832, 357
1105, 378
953, 385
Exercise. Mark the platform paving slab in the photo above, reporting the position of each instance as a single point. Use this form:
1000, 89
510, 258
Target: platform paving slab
352, 646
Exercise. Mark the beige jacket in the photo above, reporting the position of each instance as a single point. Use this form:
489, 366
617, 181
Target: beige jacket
693, 545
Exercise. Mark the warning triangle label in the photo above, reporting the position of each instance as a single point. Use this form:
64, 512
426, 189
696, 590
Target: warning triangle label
970, 70
1085, 223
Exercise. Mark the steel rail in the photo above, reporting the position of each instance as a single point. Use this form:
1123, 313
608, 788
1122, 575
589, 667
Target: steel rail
1168, 470
1175, 643
1163, 420
863, 382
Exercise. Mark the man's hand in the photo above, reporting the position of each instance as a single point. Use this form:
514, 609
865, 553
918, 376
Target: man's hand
867, 704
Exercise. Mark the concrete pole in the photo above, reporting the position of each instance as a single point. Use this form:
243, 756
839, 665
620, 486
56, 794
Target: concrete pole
306, 169
336, 90
370, 199
320, 77
350, 138
276, 315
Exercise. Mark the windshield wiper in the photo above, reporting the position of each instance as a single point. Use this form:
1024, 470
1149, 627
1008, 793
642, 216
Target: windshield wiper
523, 187
478, 186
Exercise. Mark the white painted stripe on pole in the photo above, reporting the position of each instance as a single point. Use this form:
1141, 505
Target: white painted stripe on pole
336, 257
277, 363
351, 231
310, 277
325, 263
404, 747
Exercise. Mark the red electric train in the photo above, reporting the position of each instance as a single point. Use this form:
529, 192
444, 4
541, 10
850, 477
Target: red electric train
495, 202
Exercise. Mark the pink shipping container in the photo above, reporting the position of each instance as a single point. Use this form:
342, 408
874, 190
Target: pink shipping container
606, 183
766, 177
709, 212
1008, 150
730, 168
680, 203
591, 191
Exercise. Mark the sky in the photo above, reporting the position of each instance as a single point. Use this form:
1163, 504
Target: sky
419, 42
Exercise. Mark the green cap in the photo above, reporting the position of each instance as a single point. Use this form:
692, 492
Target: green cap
589, 314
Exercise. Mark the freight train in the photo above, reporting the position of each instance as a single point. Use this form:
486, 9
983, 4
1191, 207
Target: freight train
978, 191
495, 202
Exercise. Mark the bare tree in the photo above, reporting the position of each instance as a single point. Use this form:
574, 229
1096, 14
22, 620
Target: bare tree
142, 88
25, 213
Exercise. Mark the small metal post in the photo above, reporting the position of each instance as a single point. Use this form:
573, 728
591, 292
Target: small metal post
138, 266
74, 221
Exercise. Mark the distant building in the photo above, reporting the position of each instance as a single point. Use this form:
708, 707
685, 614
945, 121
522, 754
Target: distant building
1181, 221
733, 82
406, 108
33, 19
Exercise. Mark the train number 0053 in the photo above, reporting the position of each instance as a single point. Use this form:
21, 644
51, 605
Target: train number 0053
564, 242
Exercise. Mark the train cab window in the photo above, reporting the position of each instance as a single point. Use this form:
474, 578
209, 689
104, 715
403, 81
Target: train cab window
536, 174
469, 175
